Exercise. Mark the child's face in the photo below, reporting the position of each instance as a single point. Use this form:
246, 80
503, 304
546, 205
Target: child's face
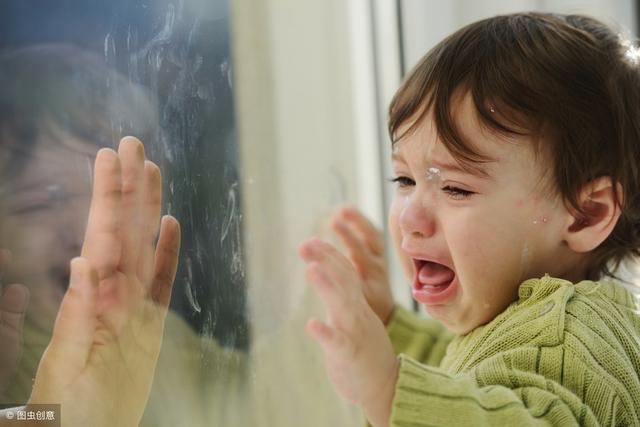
45, 211
507, 231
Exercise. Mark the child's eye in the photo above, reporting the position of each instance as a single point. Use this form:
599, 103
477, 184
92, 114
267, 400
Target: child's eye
403, 181
457, 193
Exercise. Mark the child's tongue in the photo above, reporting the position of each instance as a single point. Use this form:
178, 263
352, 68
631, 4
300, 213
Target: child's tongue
434, 274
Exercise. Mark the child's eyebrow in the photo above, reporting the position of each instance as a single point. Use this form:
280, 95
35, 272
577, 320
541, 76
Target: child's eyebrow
476, 169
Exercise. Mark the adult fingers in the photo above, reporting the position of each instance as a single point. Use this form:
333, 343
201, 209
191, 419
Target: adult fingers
152, 205
131, 153
166, 261
102, 245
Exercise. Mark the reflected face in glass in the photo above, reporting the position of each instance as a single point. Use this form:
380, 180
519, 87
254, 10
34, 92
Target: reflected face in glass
45, 211
472, 239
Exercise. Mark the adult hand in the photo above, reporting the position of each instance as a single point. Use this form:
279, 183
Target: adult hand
100, 362
364, 244
360, 360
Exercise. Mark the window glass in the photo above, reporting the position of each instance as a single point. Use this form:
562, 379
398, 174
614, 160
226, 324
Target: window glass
76, 76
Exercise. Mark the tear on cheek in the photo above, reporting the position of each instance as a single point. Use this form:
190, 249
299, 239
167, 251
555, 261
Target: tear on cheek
541, 220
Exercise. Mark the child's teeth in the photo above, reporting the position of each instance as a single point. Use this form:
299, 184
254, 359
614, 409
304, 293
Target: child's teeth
436, 286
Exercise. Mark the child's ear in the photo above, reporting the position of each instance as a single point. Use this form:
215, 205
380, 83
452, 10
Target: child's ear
597, 199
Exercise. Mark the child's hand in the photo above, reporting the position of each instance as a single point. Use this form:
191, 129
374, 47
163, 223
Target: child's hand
13, 306
365, 248
359, 357
101, 359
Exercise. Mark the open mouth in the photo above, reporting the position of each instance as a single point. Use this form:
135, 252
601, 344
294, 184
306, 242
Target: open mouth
433, 282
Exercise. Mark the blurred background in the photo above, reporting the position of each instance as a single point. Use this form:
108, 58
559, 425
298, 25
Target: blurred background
264, 115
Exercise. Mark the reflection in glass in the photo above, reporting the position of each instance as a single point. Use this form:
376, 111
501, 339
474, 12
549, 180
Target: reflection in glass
80, 82
76, 76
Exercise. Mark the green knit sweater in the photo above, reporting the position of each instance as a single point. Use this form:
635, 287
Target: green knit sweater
563, 354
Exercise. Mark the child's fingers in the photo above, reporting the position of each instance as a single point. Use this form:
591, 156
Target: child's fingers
74, 329
5, 257
333, 264
131, 152
333, 297
102, 245
152, 206
329, 338
13, 306
371, 235
166, 261
317, 250
359, 253
320, 331
307, 249
332, 340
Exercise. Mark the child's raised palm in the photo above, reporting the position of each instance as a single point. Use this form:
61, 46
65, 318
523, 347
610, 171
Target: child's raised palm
365, 248
359, 357
99, 365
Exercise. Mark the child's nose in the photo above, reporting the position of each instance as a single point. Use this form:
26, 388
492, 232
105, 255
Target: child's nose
417, 217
